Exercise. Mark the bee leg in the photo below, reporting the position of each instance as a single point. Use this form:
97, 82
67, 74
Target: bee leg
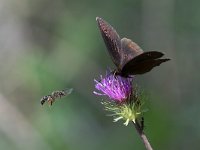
50, 100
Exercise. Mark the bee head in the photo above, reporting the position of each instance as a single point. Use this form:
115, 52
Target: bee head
44, 99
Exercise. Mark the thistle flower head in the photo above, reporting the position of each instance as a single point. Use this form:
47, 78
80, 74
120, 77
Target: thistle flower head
125, 101
117, 88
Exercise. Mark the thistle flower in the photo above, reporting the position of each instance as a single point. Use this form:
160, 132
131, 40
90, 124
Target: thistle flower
117, 88
124, 103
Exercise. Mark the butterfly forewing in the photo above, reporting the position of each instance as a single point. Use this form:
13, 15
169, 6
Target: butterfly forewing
111, 39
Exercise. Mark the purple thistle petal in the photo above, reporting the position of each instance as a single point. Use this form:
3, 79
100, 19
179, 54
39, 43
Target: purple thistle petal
115, 87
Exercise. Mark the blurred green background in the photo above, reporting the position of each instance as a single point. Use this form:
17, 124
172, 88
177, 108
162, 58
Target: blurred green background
49, 45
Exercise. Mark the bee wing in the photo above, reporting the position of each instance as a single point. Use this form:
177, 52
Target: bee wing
112, 40
68, 91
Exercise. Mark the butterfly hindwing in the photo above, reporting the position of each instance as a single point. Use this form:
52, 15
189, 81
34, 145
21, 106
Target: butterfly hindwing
129, 51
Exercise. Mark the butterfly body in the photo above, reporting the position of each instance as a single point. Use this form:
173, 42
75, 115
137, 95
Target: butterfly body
129, 58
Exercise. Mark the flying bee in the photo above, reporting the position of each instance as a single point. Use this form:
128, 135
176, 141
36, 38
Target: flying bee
55, 95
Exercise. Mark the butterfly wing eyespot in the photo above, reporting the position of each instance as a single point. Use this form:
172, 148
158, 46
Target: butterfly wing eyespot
112, 40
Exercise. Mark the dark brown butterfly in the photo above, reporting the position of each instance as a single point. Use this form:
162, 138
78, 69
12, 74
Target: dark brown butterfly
129, 58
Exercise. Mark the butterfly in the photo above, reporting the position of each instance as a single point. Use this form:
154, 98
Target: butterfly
129, 58
54, 95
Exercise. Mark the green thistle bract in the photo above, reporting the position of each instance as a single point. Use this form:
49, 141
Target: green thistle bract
126, 111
